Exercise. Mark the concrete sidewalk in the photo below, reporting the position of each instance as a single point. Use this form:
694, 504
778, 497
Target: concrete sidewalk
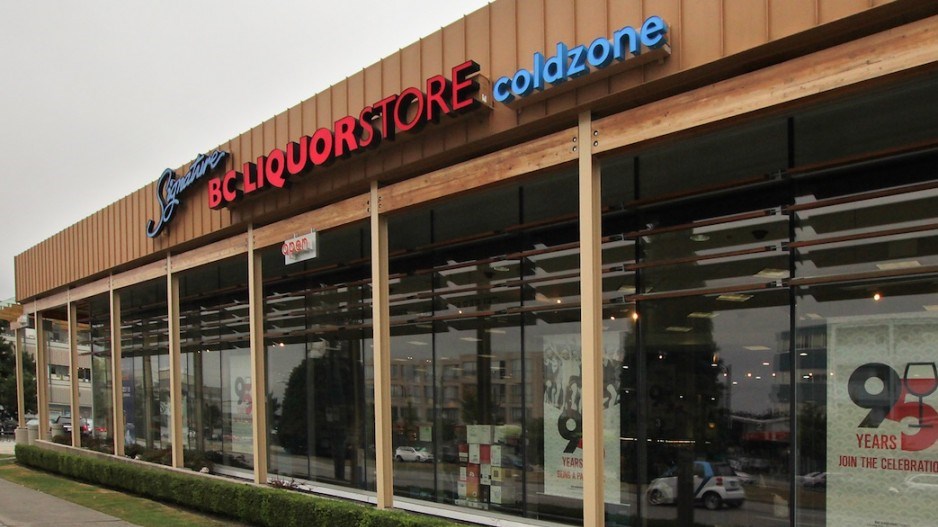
6, 446
22, 507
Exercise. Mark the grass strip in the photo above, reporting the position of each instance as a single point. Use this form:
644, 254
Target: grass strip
136, 510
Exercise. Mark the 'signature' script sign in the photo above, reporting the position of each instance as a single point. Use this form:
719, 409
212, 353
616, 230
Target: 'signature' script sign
169, 188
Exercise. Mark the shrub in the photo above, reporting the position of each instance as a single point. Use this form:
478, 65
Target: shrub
247, 503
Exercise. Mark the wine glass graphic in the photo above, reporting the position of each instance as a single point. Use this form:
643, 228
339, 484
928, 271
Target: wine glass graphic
921, 380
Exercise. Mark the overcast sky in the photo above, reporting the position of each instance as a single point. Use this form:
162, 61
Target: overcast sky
98, 97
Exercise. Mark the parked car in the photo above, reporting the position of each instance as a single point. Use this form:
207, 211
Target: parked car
813, 479
66, 423
744, 477
409, 453
716, 484
35, 422
8, 426
918, 485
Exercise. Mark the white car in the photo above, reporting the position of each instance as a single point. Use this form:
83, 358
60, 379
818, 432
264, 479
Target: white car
715, 484
813, 479
744, 477
409, 453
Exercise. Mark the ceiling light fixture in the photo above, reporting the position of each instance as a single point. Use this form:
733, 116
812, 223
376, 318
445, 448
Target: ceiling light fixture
774, 274
734, 297
892, 266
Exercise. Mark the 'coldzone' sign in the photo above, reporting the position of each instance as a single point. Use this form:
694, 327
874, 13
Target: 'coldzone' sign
569, 63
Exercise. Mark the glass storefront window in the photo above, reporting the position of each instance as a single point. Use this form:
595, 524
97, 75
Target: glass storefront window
320, 378
713, 406
94, 349
706, 162
216, 367
865, 388
484, 299
54, 333
885, 119
864, 356
145, 372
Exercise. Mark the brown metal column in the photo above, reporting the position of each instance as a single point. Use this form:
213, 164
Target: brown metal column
382, 351
20, 389
591, 315
258, 359
42, 379
73, 373
175, 365
117, 375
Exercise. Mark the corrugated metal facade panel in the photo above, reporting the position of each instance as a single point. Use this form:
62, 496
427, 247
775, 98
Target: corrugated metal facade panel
592, 20
501, 37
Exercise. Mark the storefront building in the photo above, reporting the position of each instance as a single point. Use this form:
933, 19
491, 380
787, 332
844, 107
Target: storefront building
590, 262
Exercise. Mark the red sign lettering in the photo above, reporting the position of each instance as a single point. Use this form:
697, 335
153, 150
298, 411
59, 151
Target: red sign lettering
406, 112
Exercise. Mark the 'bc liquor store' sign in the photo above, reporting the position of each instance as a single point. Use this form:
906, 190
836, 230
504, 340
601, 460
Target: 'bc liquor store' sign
383, 120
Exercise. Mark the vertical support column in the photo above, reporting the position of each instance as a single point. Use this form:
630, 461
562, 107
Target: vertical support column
382, 351
73, 372
258, 359
117, 375
20, 389
591, 315
42, 379
175, 364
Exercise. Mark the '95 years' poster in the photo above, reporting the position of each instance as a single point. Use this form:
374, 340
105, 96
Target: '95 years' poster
563, 453
882, 430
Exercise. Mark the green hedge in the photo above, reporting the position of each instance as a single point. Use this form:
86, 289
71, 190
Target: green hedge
251, 504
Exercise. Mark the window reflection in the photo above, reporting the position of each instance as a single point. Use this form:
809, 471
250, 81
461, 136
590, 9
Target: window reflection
145, 372
216, 367
94, 361
486, 292
320, 378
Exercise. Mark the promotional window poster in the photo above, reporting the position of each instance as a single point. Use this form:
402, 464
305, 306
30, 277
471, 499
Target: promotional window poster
239, 382
882, 429
563, 453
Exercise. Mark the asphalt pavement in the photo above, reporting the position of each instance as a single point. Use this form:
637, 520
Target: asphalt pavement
23, 507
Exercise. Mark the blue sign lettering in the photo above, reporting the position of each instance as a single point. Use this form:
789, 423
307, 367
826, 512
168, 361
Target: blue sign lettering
577, 61
168, 188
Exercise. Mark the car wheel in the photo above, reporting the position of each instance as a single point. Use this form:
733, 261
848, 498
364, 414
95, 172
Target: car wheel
656, 497
399, 458
712, 501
